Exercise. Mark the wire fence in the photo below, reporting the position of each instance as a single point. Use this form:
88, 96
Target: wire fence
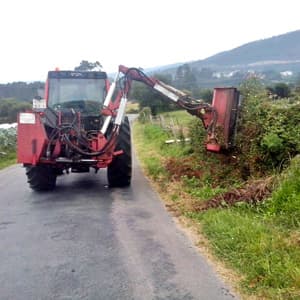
171, 125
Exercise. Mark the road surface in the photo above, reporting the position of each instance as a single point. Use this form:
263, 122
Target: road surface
85, 241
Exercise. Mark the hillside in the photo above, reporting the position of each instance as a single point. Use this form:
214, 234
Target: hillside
279, 50
273, 59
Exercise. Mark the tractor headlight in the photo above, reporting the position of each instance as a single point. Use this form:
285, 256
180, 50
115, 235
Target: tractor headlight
27, 118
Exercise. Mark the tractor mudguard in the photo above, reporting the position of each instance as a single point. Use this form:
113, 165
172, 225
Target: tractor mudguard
31, 138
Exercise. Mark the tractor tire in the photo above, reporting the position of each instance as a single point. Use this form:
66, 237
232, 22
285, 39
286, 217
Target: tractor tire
41, 178
120, 169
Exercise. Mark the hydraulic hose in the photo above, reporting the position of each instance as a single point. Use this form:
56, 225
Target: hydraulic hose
96, 153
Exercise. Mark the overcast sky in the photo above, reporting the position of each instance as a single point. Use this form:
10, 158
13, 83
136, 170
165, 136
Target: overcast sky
37, 36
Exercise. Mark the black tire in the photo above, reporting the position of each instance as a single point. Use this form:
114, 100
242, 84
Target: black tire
120, 169
41, 178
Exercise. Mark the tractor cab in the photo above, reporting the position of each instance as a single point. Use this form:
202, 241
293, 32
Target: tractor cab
81, 91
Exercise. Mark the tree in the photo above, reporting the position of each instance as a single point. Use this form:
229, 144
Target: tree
88, 66
147, 97
21, 91
252, 86
203, 94
206, 73
9, 109
282, 90
185, 78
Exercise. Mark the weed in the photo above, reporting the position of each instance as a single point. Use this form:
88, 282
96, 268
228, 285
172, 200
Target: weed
284, 205
154, 167
7, 160
256, 249
175, 197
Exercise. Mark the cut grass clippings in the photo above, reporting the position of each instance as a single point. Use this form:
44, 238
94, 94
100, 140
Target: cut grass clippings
252, 193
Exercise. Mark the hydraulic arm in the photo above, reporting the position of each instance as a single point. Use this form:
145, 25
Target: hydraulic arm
219, 119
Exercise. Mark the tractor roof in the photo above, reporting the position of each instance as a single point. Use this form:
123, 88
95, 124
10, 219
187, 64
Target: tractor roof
77, 74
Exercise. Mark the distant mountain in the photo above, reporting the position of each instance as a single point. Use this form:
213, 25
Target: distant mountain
159, 69
278, 52
273, 59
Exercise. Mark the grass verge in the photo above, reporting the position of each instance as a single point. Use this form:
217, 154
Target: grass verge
260, 243
7, 160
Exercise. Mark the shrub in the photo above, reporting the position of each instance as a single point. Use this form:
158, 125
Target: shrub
7, 147
268, 132
282, 90
8, 139
197, 134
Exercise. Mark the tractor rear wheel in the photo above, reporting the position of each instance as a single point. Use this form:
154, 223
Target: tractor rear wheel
120, 169
41, 178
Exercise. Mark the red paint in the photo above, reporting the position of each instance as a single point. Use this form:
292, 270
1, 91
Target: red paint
213, 147
107, 85
31, 141
225, 101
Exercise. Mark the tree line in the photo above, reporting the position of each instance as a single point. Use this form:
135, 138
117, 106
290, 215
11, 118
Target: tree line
196, 83
20, 91
17, 96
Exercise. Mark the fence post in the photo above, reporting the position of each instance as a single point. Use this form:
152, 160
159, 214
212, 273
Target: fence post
173, 129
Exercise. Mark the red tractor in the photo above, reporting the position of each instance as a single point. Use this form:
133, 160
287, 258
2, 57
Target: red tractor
81, 124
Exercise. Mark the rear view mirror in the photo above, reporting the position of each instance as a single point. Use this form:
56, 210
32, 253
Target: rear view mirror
38, 103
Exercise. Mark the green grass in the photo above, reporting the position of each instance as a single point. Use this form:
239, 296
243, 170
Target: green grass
181, 116
200, 189
153, 137
267, 261
7, 160
284, 208
261, 243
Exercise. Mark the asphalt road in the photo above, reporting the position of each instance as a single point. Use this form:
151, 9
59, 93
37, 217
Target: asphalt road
85, 241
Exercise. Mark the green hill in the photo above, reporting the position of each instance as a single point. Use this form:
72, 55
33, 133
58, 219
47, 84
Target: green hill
276, 51
272, 60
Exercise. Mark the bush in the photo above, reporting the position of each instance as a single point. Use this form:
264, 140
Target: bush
197, 134
7, 147
8, 139
268, 133
9, 109
282, 90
